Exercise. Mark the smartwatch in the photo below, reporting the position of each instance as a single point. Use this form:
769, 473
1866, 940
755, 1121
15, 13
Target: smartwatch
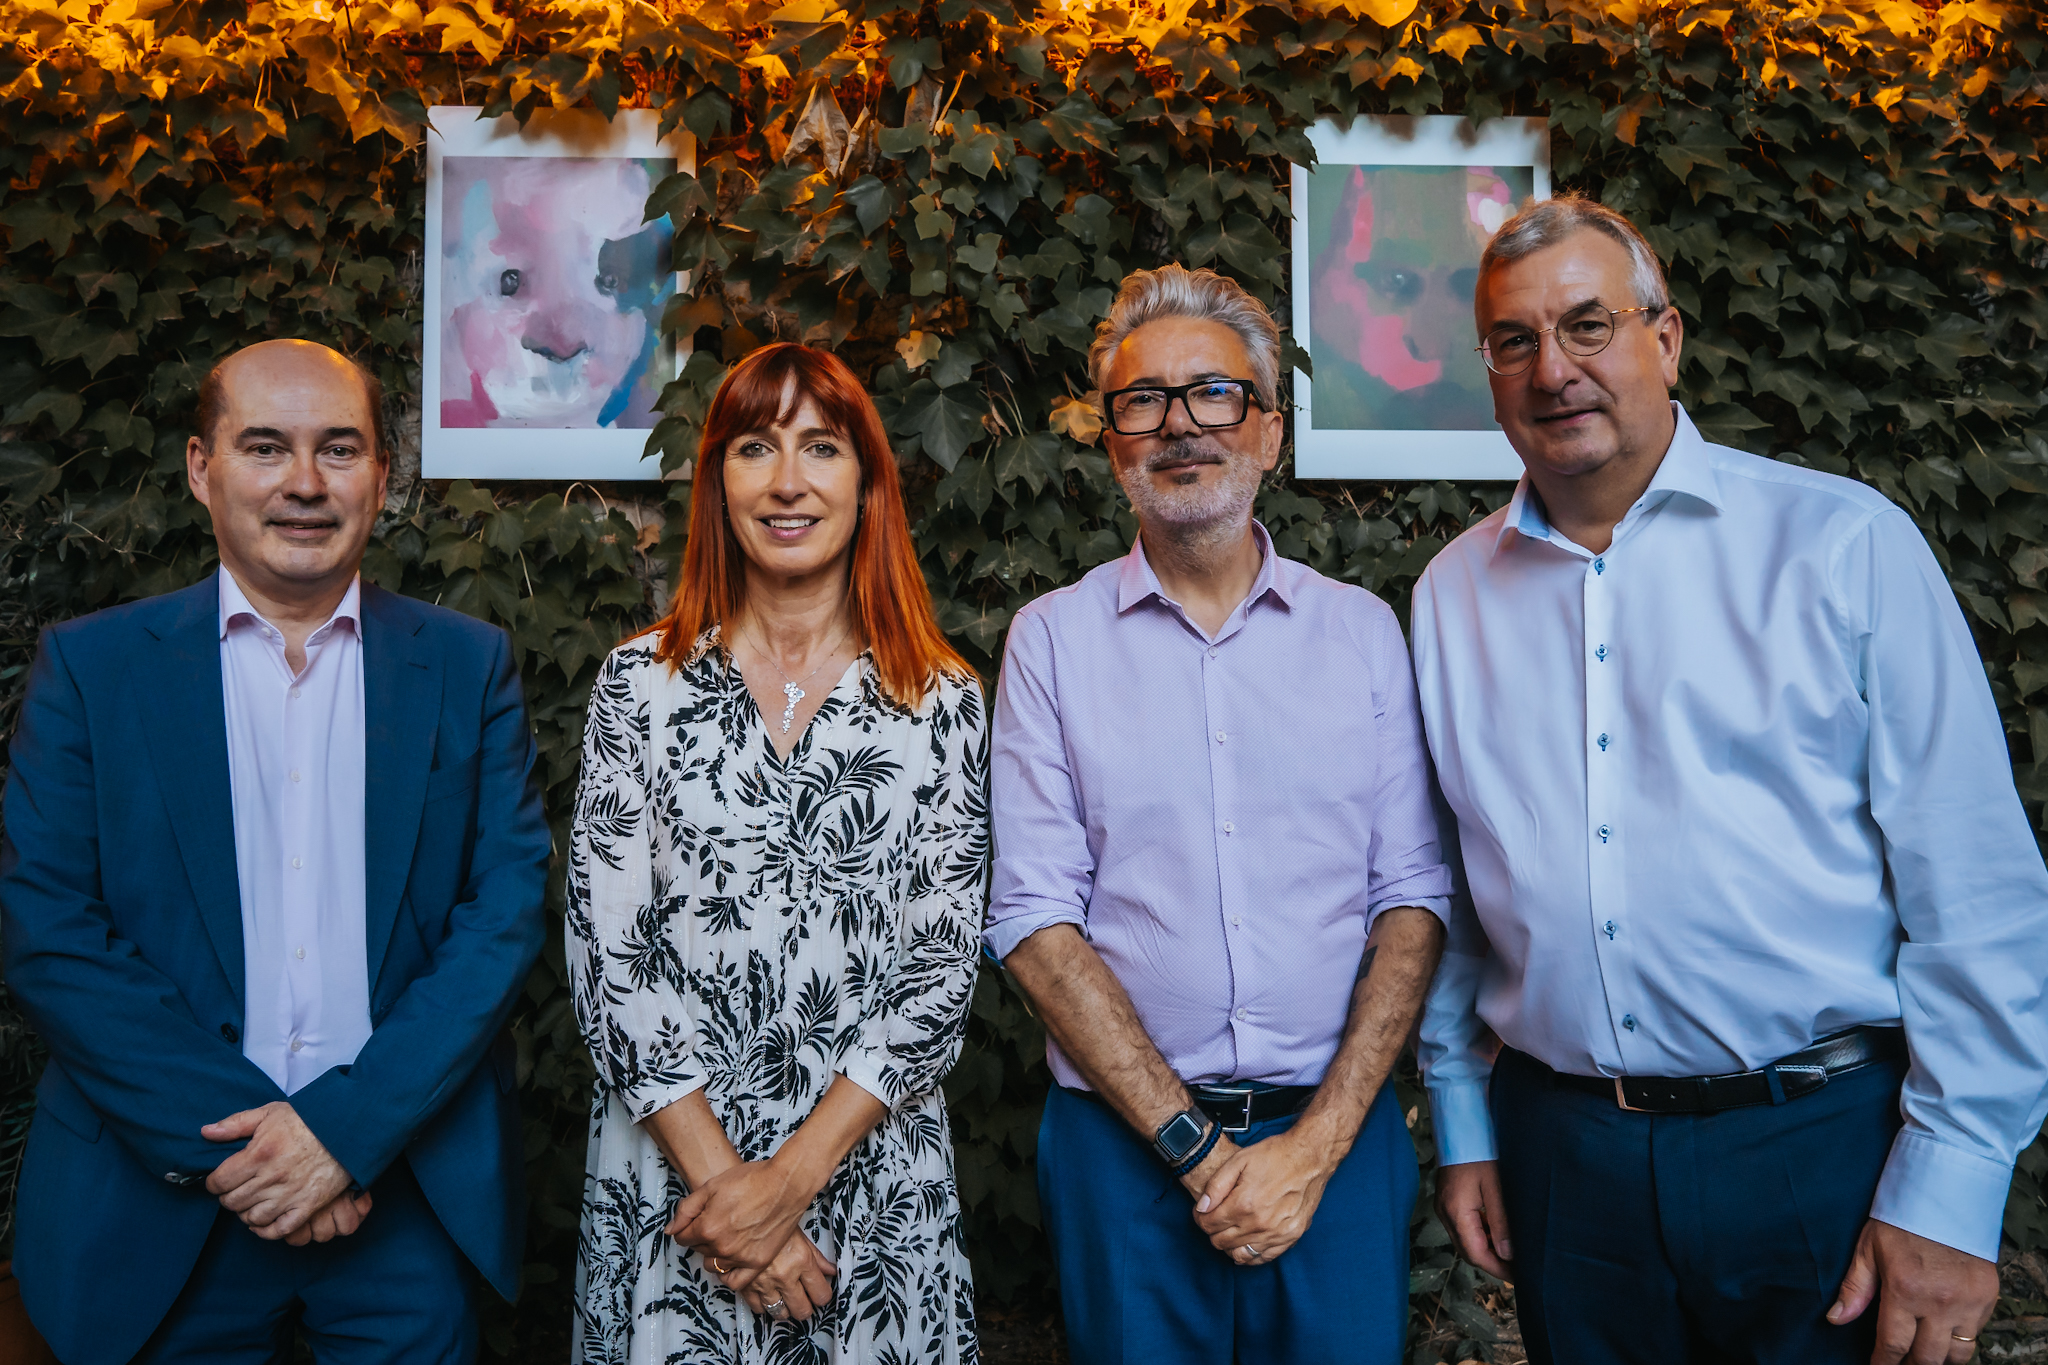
1180, 1135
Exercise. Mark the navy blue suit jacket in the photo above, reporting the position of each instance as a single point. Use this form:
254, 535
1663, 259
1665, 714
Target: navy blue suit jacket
121, 918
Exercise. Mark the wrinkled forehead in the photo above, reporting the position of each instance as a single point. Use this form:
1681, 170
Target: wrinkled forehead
1175, 350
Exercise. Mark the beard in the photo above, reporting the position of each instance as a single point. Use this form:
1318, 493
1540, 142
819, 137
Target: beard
1192, 503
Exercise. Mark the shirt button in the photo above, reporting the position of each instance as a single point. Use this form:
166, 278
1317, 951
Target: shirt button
1229, 828
1603, 834
1236, 921
1212, 651
295, 692
1243, 1014
1220, 737
300, 953
1609, 927
231, 1033
1603, 749
295, 771
1628, 1021
298, 1043
1601, 654
1600, 566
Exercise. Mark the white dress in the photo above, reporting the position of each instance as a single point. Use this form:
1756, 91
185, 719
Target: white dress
754, 926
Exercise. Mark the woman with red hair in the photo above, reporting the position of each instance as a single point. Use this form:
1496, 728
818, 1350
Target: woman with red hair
776, 883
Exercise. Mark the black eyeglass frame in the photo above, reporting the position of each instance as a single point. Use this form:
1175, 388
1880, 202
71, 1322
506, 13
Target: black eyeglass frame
1181, 392
1485, 348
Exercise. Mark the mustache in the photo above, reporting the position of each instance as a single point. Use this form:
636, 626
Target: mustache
1187, 450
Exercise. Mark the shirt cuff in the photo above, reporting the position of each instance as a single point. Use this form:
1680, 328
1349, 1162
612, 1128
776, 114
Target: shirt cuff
1002, 936
1463, 1123
1944, 1194
1440, 906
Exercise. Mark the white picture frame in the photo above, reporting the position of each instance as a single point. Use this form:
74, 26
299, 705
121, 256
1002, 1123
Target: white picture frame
543, 294
1392, 347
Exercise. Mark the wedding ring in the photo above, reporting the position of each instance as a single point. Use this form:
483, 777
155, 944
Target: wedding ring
712, 1261
1252, 1252
778, 1312
1960, 1337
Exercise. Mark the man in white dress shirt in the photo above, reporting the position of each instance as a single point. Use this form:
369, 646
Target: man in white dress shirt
271, 882
1760, 924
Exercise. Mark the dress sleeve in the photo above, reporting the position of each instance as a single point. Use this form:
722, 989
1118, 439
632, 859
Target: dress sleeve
908, 1044
625, 973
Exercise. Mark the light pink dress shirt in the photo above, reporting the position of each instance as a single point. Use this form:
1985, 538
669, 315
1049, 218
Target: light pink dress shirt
295, 762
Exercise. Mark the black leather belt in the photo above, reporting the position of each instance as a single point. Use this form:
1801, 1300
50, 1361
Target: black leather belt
1788, 1078
1237, 1107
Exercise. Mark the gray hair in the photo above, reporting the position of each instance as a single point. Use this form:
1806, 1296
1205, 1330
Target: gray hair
1174, 291
1545, 223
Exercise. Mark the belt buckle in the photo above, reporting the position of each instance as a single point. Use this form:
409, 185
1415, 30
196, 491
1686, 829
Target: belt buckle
1242, 1095
1621, 1097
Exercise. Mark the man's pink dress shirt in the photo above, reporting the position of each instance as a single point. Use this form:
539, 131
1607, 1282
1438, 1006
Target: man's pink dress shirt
295, 761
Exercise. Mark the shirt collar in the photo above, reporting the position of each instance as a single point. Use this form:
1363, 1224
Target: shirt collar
1687, 468
235, 603
1136, 582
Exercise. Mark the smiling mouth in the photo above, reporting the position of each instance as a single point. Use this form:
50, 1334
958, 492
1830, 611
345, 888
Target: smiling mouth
790, 523
301, 526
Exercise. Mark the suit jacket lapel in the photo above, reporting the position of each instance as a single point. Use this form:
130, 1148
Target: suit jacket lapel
402, 712
179, 673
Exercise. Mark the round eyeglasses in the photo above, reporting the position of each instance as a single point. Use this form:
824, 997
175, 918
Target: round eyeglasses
1210, 403
1585, 331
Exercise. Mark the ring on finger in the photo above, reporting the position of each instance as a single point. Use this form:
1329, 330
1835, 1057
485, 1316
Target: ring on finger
712, 1261
1251, 1253
1960, 1337
779, 1311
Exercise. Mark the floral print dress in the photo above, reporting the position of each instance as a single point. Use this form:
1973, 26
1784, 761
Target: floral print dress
754, 926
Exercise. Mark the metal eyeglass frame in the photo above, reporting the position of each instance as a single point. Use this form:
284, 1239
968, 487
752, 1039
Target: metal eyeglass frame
1181, 391
1485, 347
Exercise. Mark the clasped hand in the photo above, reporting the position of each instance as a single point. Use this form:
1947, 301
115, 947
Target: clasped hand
285, 1185
744, 1223
1255, 1202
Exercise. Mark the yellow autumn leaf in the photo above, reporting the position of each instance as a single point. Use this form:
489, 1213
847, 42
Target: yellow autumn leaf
1401, 66
1887, 97
1458, 41
1079, 418
918, 348
1902, 17
1387, 13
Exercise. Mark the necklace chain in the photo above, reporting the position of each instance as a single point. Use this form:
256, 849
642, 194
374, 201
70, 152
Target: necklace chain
792, 689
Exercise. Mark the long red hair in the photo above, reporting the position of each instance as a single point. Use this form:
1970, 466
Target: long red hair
892, 608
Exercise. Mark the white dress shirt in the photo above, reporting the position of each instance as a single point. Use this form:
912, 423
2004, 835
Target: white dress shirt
1733, 785
295, 762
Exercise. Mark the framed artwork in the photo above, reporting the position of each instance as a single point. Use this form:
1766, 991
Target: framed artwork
1388, 227
544, 294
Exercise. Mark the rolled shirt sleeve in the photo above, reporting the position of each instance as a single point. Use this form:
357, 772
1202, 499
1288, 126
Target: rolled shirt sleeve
1043, 867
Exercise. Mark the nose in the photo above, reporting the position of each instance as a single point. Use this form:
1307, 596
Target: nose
304, 481
553, 343
788, 485
1555, 367
1433, 327
1180, 420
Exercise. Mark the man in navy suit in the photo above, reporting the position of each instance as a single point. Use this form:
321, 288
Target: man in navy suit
270, 883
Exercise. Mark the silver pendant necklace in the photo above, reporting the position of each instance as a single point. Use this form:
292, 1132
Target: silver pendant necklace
792, 689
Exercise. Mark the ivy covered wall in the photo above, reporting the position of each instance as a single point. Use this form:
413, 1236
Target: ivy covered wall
1849, 194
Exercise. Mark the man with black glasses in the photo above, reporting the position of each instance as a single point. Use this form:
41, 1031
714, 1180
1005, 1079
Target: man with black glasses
1759, 919
1218, 878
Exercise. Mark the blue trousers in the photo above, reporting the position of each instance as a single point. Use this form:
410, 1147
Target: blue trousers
1140, 1284
397, 1289
1689, 1239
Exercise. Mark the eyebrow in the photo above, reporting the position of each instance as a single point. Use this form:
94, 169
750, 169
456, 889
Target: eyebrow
1154, 382
1517, 322
247, 434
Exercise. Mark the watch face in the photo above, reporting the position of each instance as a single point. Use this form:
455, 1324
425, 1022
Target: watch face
1179, 1136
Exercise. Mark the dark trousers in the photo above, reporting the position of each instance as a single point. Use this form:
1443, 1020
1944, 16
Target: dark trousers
1689, 1239
397, 1289
1140, 1284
